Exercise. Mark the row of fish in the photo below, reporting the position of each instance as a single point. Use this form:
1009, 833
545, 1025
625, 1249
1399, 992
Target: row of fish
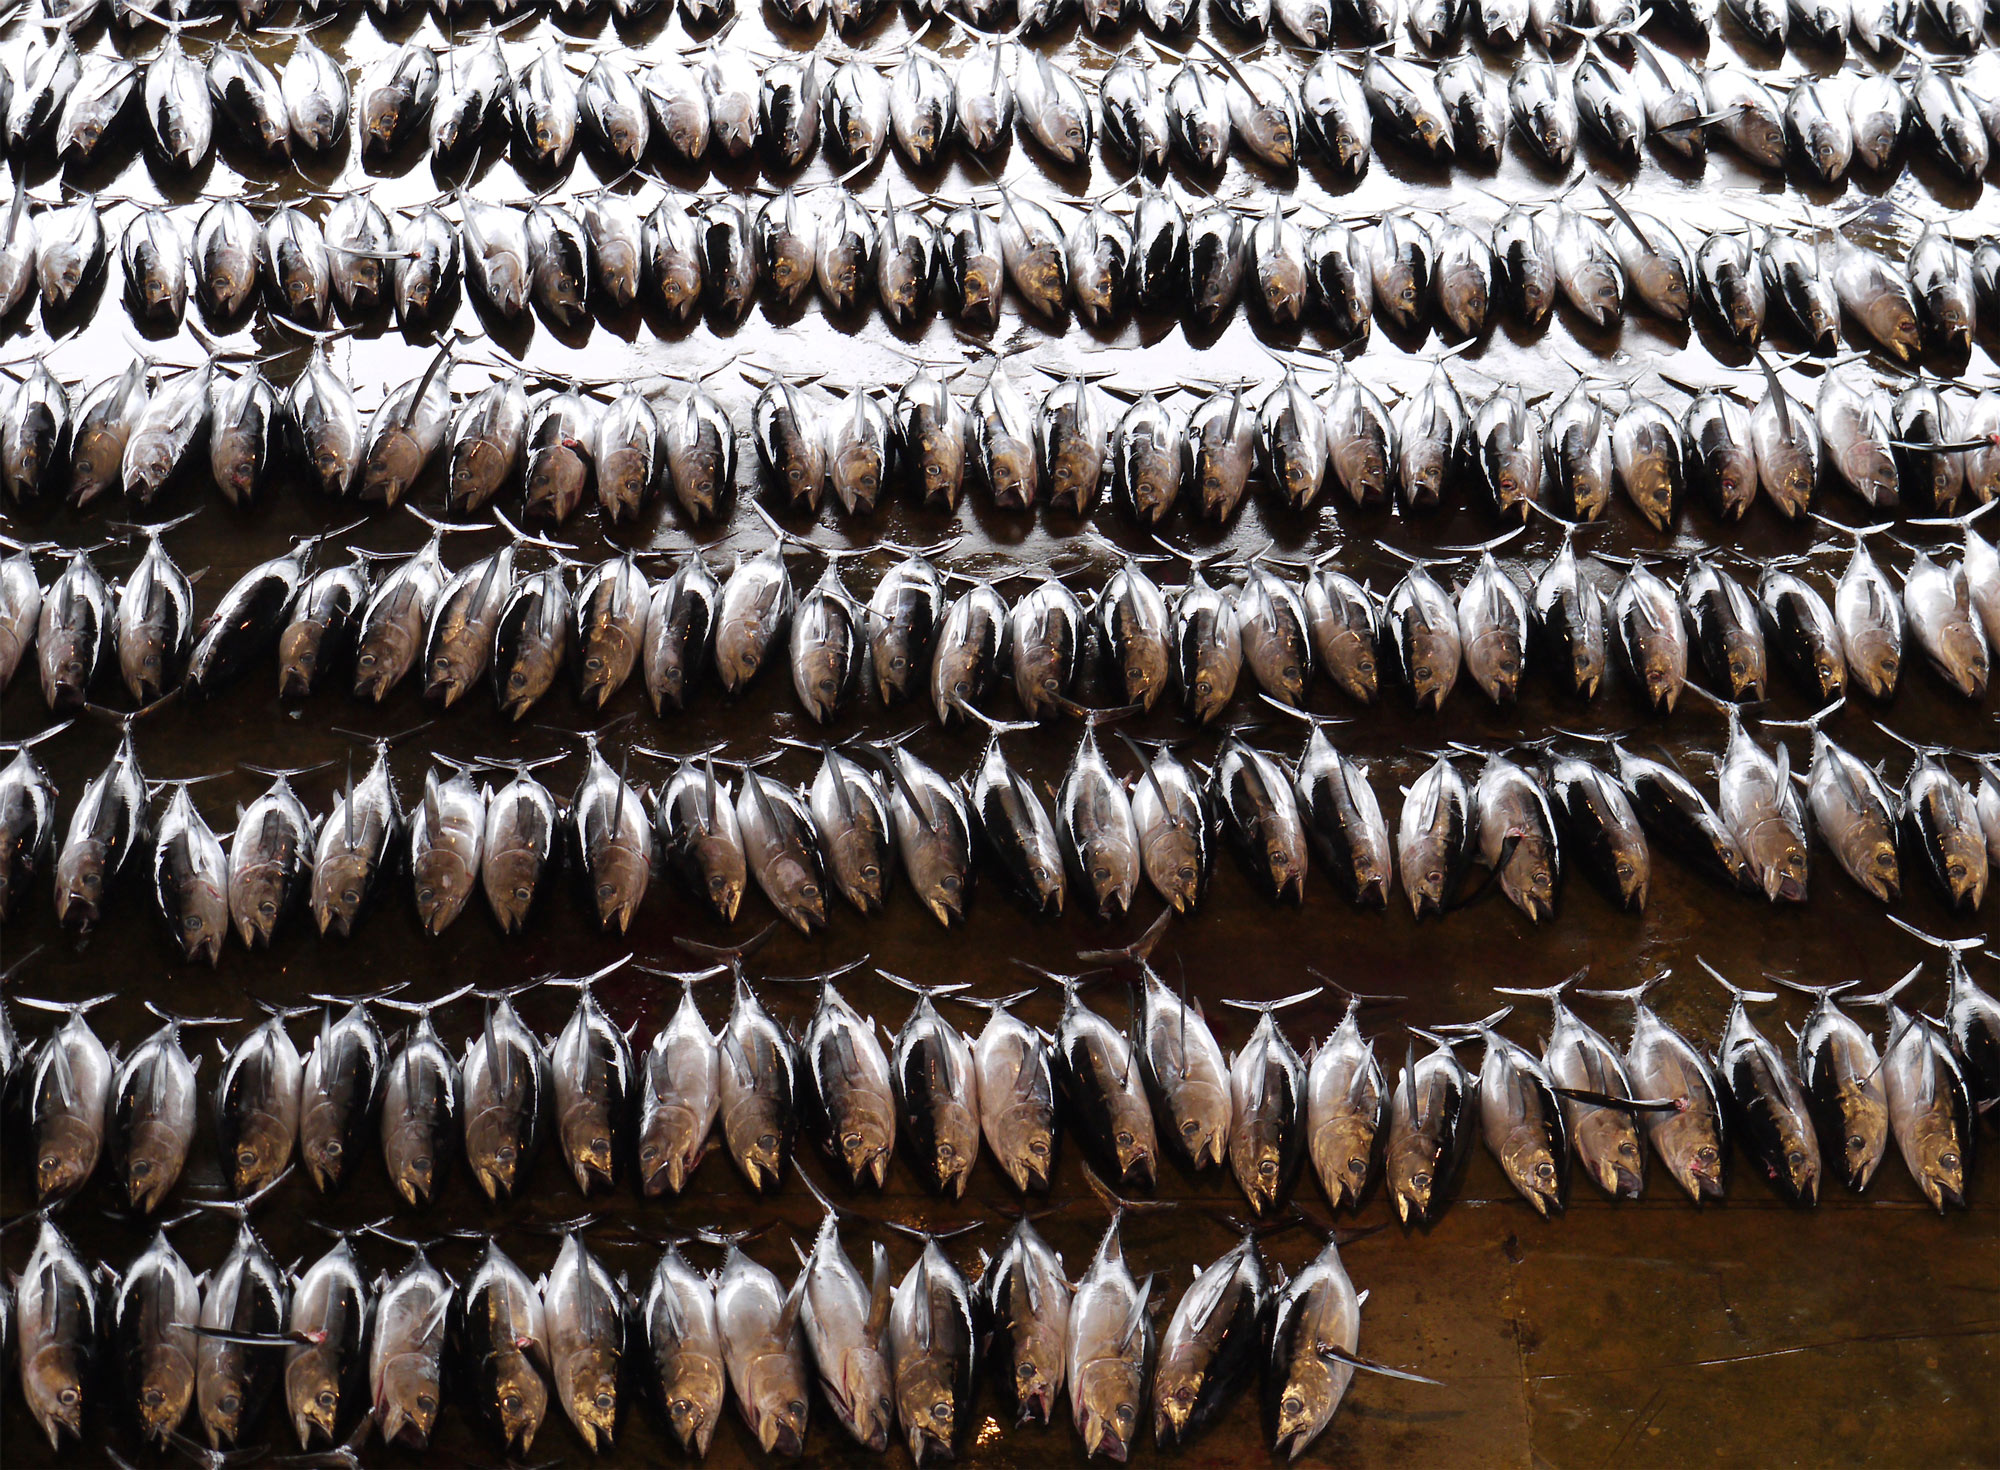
1884, 27
728, 103
902, 1360
872, 808
686, 253
1162, 1081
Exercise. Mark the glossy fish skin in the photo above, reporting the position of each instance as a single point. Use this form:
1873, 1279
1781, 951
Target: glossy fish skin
1276, 645
826, 648
1100, 1073
1110, 1350
487, 439
684, 1342
500, 1345
937, 1099
1343, 821
614, 843
245, 433
1025, 1298
757, 1095
324, 428
324, 1367
934, 1343
1430, 1134
523, 825
1493, 631
1208, 648
1099, 833
27, 826
1938, 605
257, 1099
425, 274
109, 824
356, 842
782, 848
764, 1350
590, 1065
1692, 1140
1767, 1107
971, 646
315, 92
67, 1095
422, 1096
1600, 829
1258, 811
154, 1098
247, 1294
104, 424
1347, 1108
153, 1316
1568, 623
1186, 1074
227, 252
409, 1315
1803, 630
58, 1328
1017, 832
1647, 619
700, 837
1420, 630
1841, 1074
587, 1318
1516, 834
1341, 615
1222, 452
1672, 809
1267, 1130
1314, 1317
1939, 823
751, 615
1405, 103
1434, 838
679, 1094
269, 865
531, 640
406, 433
844, 1319
1855, 816
1728, 631
1729, 282
1522, 1122
506, 1079
846, 1100
338, 1089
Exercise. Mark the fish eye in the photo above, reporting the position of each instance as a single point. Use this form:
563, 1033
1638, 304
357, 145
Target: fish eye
427, 1403
1124, 1138
797, 1407
1124, 1413
605, 1401
246, 1158
512, 1403
1039, 1148
229, 1403
333, 1148
328, 1400
267, 909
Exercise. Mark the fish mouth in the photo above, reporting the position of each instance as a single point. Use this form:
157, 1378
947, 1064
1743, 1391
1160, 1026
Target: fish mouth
1627, 1182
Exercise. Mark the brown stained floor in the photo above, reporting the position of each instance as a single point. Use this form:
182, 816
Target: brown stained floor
1649, 1333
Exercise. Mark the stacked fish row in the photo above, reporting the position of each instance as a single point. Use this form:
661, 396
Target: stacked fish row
730, 105
1925, 449
1882, 26
1266, 1110
904, 1359
688, 254
618, 1115
915, 640
871, 809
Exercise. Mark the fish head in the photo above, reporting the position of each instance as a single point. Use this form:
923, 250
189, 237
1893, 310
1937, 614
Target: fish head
80, 884
339, 886
1962, 861
493, 1147
298, 658
927, 1407
1106, 1396
520, 1398
223, 1394
1024, 1141
66, 1150
1305, 1402
165, 1388
392, 465
413, 1164
694, 1401
944, 896
724, 873
593, 1398
406, 1400
1133, 1144
478, 465
312, 1391
323, 1147
156, 1150
587, 1142
619, 877
262, 1149
778, 1409
511, 876
442, 882
669, 1148
52, 1382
